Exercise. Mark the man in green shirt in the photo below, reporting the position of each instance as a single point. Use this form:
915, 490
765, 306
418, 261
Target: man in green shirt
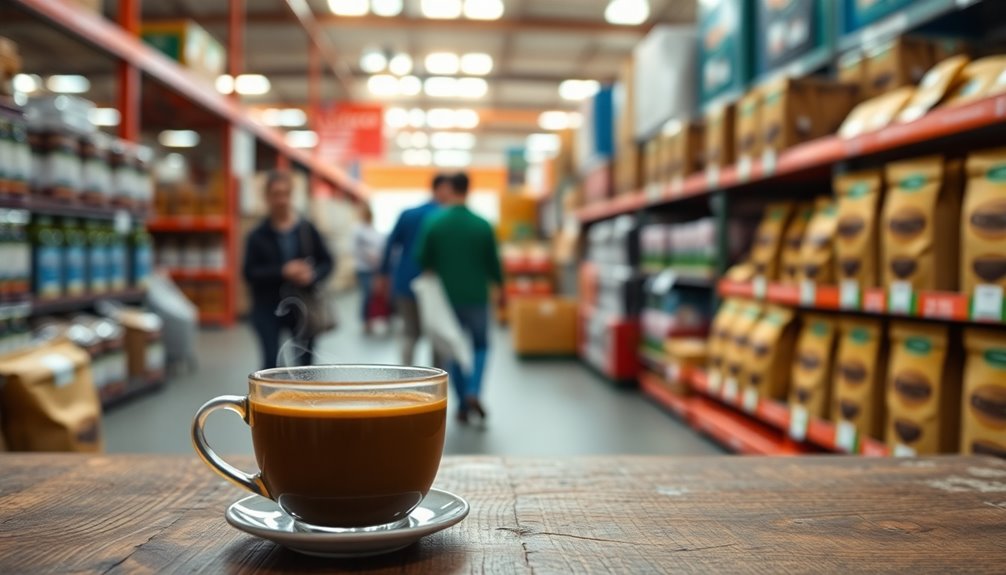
460, 247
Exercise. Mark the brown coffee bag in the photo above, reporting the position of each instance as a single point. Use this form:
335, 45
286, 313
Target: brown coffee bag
983, 222
983, 411
748, 143
901, 62
719, 337
857, 241
719, 138
792, 240
857, 405
876, 113
979, 79
735, 351
939, 81
797, 110
923, 390
810, 379
770, 354
921, 224
48, 400
684, 149
766, 252
817, 253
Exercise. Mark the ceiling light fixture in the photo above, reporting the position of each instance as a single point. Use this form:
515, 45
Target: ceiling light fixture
417, 118
396, 118
440, 86
472, 88
252, 85
627, 12
553, 121
26, 83
104, 116
68, 84
441, 119
452, 140
225, 84
578, 90
348, 7
442, 63
441, 9
476, 64
178, 138
373, 61
386, 8
484, 9
548, 143
410, 86
417, 157
302, 138
400, 64
383, 85
404, 140
419, 140
452, 158
466, 119
284, 117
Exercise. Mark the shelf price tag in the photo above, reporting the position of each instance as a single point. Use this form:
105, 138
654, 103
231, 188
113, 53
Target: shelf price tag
750, 400
808, 293
987, 303
677, 185
769, 162
744, 166
759, 287
673, 372
714, 382
799, 421
846, 437
713, 176
730, 390
900, 298
848, 295
653, 191
901, 450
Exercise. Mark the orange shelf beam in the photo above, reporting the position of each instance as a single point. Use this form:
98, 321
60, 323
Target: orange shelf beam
189, 224
199, 275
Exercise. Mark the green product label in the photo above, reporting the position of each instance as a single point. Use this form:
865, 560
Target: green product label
997, 174
859, 189
996, 358
831, 210
860, 335
819, 329
971, 87
751, 312
774, 318
748, 108
919, 345
913, 183
168, 44
773, 98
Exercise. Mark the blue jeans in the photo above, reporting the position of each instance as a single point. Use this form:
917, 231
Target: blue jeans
474, 320
268, 325
365, 280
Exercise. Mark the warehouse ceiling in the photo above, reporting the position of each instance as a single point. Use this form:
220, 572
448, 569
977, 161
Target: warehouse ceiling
534, 46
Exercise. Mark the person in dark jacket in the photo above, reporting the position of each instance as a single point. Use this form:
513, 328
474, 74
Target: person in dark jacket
283, 253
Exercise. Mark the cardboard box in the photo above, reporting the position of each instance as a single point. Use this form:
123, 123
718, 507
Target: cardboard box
789, 30
726, 55
794, 111
851, 70
628, 168
684, 150
901, 62
544, 326
189, 44
856, 14
719, 138
748, 139
144, 350
666, 73
595, 142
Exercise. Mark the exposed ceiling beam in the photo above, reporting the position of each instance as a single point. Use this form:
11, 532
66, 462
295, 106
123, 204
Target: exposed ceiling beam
302, 12
517, 24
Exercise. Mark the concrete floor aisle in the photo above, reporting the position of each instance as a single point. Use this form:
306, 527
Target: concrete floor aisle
535, 407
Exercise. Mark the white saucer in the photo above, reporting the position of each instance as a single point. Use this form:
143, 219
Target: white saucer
263, 518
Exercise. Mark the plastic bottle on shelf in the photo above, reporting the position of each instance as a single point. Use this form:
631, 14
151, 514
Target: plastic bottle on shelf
142, 255
74, 257
117, 260
121, 165
97, 258
47, 268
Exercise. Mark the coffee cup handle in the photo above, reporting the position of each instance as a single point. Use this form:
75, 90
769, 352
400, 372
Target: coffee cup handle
238, 405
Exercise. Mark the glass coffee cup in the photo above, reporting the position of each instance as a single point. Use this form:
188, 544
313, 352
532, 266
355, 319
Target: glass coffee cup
343, 447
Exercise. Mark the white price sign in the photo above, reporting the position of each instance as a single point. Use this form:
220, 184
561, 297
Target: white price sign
904, 451
714, 382
987, 303
760, 287
730, 390
744, 165
808, 293
769, 162
900, 297
713, 176
799, 421
848, 294
750, 400
846, 437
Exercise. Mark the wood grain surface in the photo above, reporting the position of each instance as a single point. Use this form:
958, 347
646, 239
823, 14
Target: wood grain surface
154, 514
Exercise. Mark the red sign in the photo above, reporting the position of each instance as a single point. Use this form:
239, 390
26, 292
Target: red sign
348, 132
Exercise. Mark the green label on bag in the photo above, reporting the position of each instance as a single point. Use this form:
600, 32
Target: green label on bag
820, 329
997, 174
997, 358
859, 189
913, 183
918, 345
860, 335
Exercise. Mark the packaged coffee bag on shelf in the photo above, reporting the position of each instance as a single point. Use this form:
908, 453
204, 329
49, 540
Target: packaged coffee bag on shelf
748, 142
877, 113
810, 380
983, 411
735, 356
719, 139
767, 249
817, 252
792, 240
921, 225
797, 110
719, 339
939, 81
900, 62
979, 79
857, 403
770, 355
856, 244
48, 400
983, 229
923, 390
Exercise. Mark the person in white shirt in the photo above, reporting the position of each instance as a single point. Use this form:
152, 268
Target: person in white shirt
368, 245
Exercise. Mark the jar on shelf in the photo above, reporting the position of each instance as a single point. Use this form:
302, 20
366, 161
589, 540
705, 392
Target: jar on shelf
168, 253
143, 178
117, 260
61, 166
214, 257
74, 257
192, 255
96, 178
142, 257
18, 257
97, 258
19, 168
121, 163
47, 258
55, 119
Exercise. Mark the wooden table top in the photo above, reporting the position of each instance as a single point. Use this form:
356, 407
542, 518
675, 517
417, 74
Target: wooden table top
143, 514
